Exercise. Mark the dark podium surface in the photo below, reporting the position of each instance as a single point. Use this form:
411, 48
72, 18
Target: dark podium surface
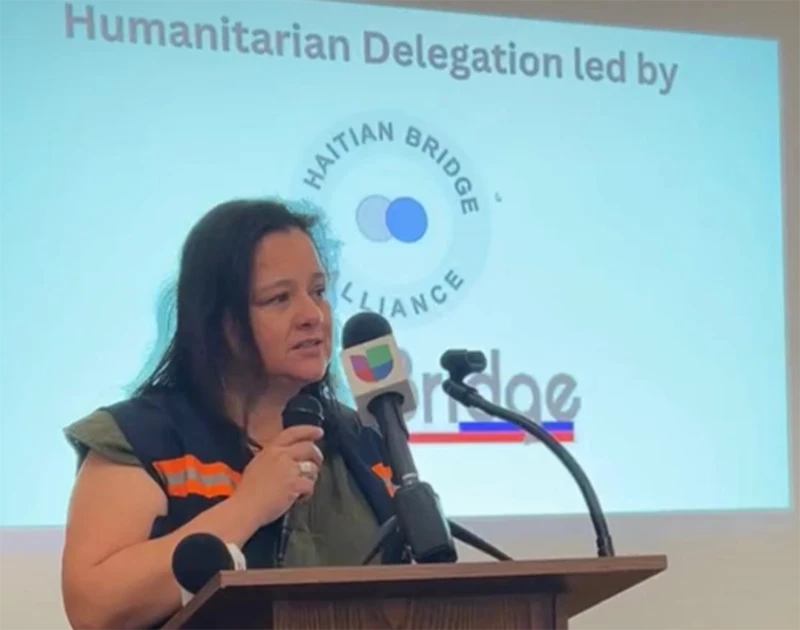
519, 594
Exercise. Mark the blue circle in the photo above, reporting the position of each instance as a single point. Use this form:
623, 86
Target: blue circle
406, 219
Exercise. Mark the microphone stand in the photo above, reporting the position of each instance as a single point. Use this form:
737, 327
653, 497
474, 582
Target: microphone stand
418, 520
469, 397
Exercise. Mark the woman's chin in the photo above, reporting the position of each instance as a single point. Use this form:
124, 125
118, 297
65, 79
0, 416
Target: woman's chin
309, 371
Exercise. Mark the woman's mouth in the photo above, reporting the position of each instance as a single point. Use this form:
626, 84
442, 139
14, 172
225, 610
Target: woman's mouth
308, 344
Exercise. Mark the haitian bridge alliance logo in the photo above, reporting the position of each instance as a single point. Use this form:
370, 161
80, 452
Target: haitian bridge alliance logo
409, 209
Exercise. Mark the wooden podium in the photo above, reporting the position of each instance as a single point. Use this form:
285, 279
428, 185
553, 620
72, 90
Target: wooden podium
522, 594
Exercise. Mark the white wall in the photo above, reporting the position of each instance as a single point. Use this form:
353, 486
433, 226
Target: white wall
726, 571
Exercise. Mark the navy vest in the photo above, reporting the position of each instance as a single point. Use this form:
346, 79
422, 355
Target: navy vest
198, 460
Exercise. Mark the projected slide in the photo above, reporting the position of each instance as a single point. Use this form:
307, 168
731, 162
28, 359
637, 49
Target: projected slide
597, 209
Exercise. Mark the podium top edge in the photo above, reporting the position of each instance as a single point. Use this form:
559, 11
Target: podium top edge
642, 565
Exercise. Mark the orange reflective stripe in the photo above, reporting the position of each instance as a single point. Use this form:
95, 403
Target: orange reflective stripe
191, 486
385, 473
181, 464
188, 475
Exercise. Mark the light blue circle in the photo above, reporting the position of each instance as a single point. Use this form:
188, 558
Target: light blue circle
371, 218
406, 219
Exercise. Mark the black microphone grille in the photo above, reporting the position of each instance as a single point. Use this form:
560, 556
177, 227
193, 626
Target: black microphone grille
363, 327
303, 409
198, 558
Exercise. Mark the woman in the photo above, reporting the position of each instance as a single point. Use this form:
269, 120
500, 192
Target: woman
200, 447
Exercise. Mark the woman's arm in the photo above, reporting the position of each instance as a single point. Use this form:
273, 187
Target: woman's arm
112, 575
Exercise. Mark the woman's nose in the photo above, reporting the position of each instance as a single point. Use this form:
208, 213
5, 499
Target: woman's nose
309, 313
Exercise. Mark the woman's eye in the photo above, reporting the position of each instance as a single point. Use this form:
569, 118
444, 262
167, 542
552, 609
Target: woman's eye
277, 299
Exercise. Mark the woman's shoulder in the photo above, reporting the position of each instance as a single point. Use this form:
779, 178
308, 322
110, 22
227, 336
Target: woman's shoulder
99, 432
157, 413
117, 430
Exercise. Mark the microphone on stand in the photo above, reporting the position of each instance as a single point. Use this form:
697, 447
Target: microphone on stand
198, 558
461, 363
379, 383
302, 409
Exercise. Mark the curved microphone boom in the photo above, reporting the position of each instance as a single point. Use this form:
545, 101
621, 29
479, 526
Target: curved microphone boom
460, 364
377, 377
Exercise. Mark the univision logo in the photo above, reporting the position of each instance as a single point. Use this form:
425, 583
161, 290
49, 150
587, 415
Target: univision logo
374, 365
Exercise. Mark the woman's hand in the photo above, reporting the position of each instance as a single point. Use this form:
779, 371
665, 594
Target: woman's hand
284, 471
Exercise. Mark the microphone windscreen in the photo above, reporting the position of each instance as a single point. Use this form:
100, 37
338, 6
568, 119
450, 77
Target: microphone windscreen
460, 363
303, 409
198, 558
364, 327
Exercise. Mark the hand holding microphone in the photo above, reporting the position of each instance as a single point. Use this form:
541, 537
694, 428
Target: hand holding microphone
284, 471
287, 467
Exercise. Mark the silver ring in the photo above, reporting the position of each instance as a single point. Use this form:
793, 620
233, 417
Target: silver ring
306, 469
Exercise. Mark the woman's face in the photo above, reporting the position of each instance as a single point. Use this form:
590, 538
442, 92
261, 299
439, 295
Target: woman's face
289, 312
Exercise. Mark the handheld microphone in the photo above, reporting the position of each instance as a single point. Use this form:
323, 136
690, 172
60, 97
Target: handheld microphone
198, 558
302, 409
377, 377
461, 363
